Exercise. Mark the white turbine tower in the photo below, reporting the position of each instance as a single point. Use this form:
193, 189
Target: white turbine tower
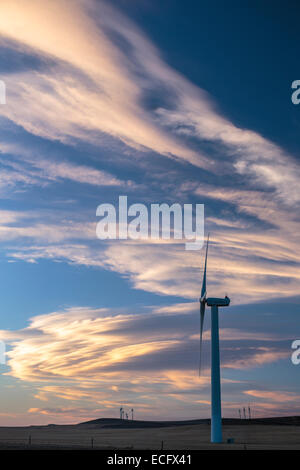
214, 303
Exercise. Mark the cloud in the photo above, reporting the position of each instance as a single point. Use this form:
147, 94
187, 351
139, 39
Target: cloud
235, 334
257, 357
77, 173
79, 343
249, 272
252, 155
84, 359
8, 217
26, 226
91, 88
273, 396
31, 169
88, 362
97, 87
260, 256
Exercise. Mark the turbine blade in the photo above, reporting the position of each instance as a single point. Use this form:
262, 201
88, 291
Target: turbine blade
203, 290
202, 304
202, 312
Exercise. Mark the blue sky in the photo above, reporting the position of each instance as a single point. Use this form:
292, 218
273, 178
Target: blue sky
176, 103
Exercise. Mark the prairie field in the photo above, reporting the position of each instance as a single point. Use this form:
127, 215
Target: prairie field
120, 434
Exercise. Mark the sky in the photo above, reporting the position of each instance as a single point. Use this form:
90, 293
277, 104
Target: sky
164, 102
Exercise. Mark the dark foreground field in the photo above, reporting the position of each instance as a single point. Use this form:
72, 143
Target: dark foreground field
272, 433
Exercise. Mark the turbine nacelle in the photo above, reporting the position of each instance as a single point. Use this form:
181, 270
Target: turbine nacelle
214, 302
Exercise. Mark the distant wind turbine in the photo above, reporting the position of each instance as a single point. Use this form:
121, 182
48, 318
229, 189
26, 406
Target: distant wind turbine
214, 303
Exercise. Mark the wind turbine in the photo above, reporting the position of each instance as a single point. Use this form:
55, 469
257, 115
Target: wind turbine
214, 303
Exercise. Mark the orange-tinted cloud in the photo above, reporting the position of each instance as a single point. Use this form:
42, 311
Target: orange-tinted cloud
274, 396
92, 358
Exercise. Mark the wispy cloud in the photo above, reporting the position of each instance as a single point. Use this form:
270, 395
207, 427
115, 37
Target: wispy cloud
90, 87
98, 357
32, 169
95, 86
174, 271
273, 395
